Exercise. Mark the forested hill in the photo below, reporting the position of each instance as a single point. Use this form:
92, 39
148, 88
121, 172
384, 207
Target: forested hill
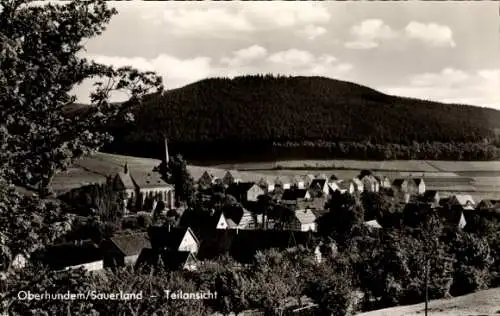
253, 115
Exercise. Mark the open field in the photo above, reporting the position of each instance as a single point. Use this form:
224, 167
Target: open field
453, 177
483, 303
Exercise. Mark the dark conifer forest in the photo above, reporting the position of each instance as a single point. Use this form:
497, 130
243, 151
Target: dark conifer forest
265, 117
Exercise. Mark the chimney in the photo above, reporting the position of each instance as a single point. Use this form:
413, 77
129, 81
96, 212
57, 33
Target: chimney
167, 158
125, 168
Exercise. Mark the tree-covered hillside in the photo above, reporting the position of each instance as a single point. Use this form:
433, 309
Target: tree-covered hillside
252, 115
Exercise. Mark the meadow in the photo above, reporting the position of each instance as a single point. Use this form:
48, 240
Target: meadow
480, 179
482, 303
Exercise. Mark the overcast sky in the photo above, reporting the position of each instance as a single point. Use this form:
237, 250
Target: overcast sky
444, 51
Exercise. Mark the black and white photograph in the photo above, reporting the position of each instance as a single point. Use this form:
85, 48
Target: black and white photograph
244, 158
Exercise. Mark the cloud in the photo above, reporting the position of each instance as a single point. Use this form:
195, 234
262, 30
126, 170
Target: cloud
177, 72
292, 57
311, 32
369, 34
448, 77
453, 86
186, 20
245, 55
373, 29
205, 23
285, 14
360, 44
432, 33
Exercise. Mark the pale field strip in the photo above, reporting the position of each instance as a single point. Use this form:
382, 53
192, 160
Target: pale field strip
483, 303
93, 169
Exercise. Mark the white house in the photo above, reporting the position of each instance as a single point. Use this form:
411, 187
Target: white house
465, 200
420, 185
306, 220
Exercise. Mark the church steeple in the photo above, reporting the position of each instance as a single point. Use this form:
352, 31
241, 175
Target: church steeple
167, 157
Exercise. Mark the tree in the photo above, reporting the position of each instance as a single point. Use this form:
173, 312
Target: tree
177, 173
29, 224
39, 65
345, 214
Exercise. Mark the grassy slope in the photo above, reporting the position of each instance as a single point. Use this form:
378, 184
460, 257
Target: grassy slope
483, 303
94, 169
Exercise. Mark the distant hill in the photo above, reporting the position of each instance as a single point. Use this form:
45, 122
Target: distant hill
267, 117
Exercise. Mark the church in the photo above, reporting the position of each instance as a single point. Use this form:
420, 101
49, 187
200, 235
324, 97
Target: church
145, 191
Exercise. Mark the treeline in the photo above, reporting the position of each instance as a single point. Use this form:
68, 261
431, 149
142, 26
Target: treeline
251, 112
416, 151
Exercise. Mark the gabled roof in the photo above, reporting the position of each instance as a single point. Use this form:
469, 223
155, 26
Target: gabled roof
169, 237
243, 244
132, 244
370, 178
418, 181
294, 194
305, 216
333, 186
317, 183
319, 212
463, 199
172, 260
71, 254
317, 203
357, 182
145, 180
373, 224
430, 194
126, 180
398, 182
239, 188
344, 184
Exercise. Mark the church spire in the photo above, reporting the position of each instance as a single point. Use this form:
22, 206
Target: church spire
167, 157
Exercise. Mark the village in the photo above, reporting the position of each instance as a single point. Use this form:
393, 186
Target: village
252, 213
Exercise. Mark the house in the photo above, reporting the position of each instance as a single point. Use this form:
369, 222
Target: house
245, 191
384, 182
464, 200
174, 239
235, 217
346, 186
242, 245
266, 184
419, 182
405, 187
207, 179
304, 220
432, 197
299, 182
370, 183
373, 224
296, 194
283, 182
358, 185
124, 249
453, 216
231, 177
170, 260
321, 176
19, 261
333, 178
333, 187
143, 190
82, 254
488, 204
319, 187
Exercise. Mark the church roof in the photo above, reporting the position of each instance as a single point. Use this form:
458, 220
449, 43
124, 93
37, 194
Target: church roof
146, 180
126, 179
